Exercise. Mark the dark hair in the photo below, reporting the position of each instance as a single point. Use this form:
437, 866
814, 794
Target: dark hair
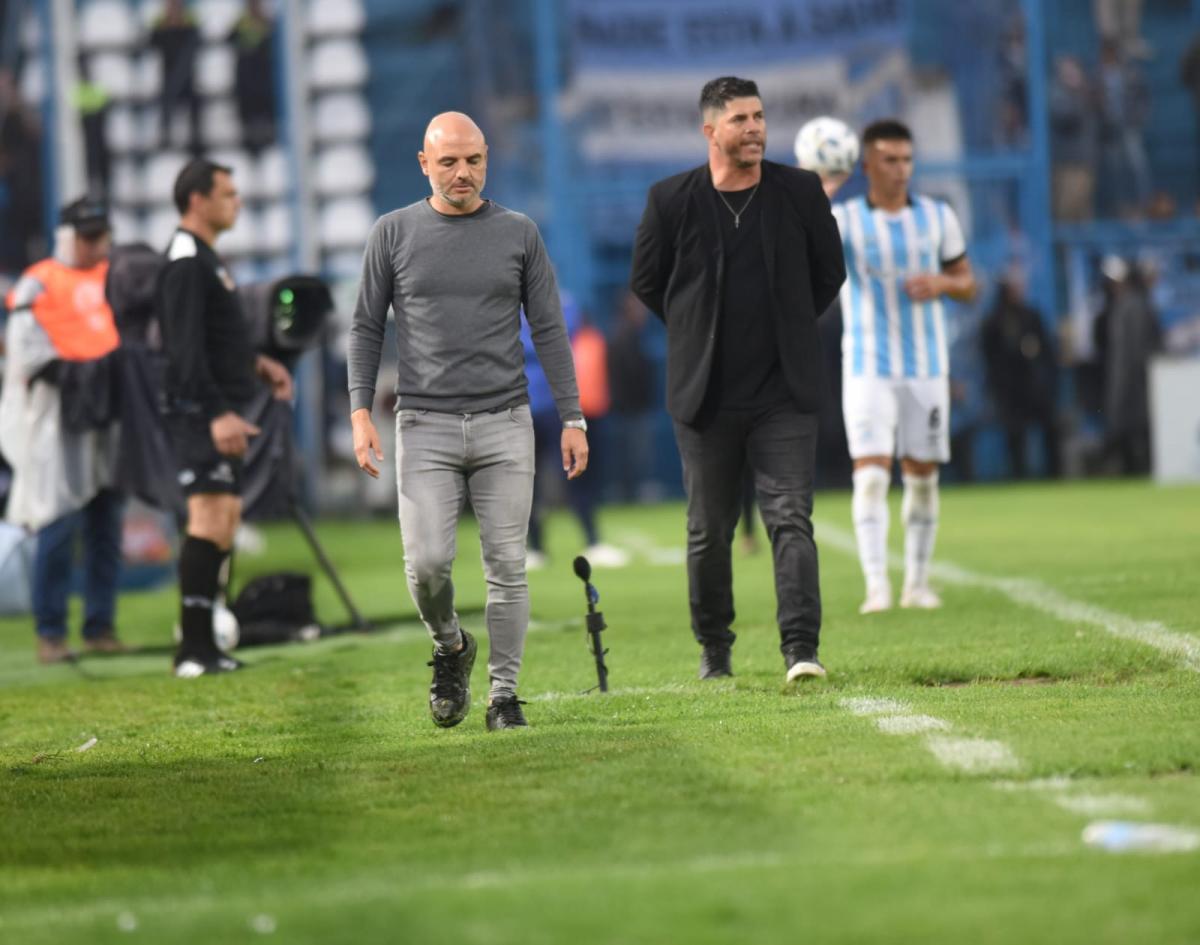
886, 129
719, 92
196, 178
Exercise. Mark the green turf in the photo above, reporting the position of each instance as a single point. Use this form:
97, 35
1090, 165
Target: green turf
311, 795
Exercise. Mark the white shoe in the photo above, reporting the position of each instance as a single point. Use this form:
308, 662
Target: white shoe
920, 598
806, 669
879, 598
606, 556
535, 560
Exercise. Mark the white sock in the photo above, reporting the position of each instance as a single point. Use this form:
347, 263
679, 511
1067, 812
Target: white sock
869, 509
920, 512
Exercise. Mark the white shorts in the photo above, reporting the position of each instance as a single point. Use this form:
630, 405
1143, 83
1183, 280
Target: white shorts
898, 416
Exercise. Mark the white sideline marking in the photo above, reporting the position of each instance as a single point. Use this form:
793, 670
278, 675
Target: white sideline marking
671, 689
1040, 597
972, 755
645, 547
1058, 783
871, 705
910, 724
1102, 805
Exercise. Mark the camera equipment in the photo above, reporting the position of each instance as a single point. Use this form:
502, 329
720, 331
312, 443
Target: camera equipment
595, 619
286, 317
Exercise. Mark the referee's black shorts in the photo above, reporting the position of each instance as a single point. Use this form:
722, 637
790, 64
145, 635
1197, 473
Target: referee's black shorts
202, 470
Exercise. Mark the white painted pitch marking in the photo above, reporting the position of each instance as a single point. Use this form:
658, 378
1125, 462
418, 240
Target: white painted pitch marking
910, 724
972, 755
1034, 594
644, 546
872, 705
1057, 783
671, 689
1102, 805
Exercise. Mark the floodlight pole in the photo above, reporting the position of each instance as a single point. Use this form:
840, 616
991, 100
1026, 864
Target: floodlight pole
291, 56
62, 145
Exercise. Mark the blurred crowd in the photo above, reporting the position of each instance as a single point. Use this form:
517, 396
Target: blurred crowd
1038, 386
174, 37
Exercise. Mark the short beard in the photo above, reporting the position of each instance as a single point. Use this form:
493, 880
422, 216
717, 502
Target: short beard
741, 163
458, 202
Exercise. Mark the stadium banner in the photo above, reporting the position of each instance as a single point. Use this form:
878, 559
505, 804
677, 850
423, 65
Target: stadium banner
638, 66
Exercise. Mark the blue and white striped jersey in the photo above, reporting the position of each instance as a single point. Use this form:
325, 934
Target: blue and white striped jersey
887, 334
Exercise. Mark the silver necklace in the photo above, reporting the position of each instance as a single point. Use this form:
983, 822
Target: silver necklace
737, 214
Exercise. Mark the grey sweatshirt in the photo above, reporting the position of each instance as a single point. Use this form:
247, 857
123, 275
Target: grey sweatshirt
457, 285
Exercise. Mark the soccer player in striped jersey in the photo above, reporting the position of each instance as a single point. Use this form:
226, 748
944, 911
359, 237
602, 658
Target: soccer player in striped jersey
904, 254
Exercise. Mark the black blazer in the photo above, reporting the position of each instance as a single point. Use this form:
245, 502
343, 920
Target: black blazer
679, 270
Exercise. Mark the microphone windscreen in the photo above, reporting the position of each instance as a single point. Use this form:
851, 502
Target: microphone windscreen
583, 569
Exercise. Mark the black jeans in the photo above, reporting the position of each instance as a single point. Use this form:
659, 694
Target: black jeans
779, 445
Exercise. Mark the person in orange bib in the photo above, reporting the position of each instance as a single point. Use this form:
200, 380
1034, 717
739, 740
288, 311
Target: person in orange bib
62, 465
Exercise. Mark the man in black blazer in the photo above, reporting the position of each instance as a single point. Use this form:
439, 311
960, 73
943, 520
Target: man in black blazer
738, 257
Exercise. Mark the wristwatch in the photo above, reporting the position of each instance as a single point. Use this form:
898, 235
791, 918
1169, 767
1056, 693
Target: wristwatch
579, 424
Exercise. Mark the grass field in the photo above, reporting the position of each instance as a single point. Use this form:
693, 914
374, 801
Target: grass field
933, 789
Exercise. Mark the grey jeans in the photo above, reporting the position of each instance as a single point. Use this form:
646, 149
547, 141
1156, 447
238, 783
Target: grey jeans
442, 459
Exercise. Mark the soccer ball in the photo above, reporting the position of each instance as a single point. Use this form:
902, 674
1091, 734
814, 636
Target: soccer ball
826, 145
226, 631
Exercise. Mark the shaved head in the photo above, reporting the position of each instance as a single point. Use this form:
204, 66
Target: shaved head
455, 161
451, 125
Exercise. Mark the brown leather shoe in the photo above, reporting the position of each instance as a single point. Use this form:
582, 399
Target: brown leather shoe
106, 643
50, 650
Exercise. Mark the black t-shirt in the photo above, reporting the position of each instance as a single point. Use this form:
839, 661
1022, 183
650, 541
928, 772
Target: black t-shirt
210, 357
746, 374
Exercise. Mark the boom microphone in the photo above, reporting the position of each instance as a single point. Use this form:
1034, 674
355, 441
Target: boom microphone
583, 568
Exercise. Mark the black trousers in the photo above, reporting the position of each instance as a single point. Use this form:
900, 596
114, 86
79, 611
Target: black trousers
779, 445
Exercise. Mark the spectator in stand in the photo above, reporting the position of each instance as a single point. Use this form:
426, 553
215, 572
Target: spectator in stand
591, 373
1013, 69
254, 83
1021, 373
94, 103
1073, 142
176, 37
1121, 22
632, 392
1124, 107
1189, 75
1126, 335
21, 232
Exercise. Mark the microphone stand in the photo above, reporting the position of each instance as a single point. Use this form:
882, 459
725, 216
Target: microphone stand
595, 621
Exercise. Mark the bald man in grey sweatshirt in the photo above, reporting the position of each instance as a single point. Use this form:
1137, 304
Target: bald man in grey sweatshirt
457, 270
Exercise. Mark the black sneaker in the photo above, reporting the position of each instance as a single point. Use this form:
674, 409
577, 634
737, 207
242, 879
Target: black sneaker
802, 665
714, 661
450, 692
505, 712
191, 665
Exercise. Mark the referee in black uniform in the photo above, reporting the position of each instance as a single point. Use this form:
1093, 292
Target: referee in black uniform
212, 373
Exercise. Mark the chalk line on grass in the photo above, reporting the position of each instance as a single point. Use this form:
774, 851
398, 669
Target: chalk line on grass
972, 755
1034, 594
1102, 805
910, 724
